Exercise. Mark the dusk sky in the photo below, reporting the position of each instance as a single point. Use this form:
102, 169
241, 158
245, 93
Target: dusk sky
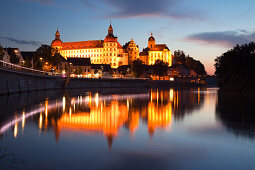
204, 29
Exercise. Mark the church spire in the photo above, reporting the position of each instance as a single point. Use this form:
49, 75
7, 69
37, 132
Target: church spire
57, 35
110, 29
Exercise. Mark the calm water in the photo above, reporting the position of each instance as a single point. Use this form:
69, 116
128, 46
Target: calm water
128, 129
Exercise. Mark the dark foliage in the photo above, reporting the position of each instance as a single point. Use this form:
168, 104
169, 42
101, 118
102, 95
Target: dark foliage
160, 68
1, 52
137, 68
235, 68
196, 65
13, 57
44, 54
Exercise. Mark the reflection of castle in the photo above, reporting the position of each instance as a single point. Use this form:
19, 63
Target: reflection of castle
107, 114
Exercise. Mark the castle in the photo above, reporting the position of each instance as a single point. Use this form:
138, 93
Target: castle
109, 51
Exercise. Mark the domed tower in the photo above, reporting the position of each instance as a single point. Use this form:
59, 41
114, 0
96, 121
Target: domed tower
57, 43
110, 30
151, 41
110, 48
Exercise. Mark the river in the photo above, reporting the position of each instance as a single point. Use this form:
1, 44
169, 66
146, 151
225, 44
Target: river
193, 128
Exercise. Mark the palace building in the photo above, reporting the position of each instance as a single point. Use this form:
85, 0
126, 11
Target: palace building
156, 52
109, 51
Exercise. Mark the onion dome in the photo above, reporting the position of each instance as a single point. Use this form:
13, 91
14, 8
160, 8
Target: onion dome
57, 41
151, 38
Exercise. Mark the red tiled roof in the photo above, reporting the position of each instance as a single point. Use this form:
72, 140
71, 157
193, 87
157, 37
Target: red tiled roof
159, 47
83, 44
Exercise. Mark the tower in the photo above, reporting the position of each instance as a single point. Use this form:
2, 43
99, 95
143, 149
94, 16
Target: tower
110, 30
151, 41
57, 35
133, 51
57, 43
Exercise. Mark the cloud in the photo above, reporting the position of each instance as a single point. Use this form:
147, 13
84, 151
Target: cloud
23, 42
145, 8
223, 39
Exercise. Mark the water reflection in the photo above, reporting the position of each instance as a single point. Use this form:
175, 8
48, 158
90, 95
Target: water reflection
236, 112
95, 112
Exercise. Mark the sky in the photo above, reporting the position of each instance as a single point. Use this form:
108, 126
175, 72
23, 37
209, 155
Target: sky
203, 29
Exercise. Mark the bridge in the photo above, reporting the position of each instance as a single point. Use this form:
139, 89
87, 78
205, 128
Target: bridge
15, 79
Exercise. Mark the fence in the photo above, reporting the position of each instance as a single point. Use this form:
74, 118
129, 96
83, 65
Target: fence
25, 69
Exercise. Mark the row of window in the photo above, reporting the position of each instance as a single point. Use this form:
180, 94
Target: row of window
81, 51
111, 44
103, 60
87, 51
93, 55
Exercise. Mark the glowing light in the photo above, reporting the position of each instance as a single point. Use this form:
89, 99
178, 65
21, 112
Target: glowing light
15, 131
171, 93
198, 95
70, 112
64, 103
40, 121
23, 120
46, 109
96, 99
171, 79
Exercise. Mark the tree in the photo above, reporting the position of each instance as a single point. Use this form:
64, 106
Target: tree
27, 63
78, 70
235, 68
160, 68
137, 68
96, 71
1, 52
46, 54
13, 57
191, 63
179, 56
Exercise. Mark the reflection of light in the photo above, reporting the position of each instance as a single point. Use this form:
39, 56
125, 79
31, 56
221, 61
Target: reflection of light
177, 99
40, 121
46, 109
208, 99
23, 120
171, 95
157, 96
128, 103
96, 99
198, 95
70, 112
64, 103
15, 131
40, 110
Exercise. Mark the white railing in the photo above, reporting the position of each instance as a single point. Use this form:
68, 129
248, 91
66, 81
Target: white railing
20, 68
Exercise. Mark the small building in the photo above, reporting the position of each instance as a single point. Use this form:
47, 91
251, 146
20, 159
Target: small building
155, 52
79, 67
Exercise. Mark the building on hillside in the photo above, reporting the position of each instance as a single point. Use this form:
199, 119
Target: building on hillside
107, 51
180, 69
156, 52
